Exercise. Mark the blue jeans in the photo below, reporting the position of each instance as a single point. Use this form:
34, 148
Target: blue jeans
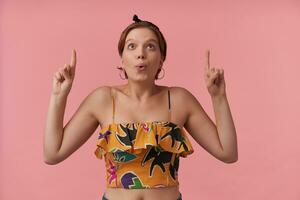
104, 198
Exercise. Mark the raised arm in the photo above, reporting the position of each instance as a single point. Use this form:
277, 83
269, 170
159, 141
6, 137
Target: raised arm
61, 141
218, 139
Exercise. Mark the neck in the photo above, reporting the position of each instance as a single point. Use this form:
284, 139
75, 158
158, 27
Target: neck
140, 91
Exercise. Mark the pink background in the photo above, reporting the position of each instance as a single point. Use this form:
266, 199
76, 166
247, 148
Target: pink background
256, 42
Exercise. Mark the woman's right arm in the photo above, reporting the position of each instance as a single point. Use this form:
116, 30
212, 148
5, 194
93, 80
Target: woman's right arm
59, 141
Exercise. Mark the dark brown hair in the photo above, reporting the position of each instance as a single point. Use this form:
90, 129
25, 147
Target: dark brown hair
143, 24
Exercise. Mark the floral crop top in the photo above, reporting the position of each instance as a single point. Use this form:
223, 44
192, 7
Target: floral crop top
142, 154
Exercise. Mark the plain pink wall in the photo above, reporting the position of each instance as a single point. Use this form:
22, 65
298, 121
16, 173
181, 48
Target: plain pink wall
256, 42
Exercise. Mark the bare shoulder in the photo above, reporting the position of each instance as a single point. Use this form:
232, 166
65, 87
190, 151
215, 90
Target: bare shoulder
98, 99
181, 93
186, 99
182, 101
101, 92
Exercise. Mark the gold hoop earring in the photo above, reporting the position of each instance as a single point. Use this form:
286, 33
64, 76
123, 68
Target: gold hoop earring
120, 73
161, 69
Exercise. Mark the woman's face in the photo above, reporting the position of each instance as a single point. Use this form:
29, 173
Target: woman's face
141, 48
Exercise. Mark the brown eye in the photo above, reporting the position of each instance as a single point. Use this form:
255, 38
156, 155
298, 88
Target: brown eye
152, 46
130, 45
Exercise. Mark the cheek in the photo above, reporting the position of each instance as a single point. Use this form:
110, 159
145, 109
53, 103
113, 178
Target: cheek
127, 56
156, 61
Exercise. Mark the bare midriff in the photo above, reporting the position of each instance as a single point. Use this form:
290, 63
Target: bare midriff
163, 193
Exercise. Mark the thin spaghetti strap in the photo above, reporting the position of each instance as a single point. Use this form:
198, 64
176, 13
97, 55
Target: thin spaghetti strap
169, 113
113, 106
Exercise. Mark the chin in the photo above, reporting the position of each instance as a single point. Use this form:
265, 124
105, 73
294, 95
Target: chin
141, 78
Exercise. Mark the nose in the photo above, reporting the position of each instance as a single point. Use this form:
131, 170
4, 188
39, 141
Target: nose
140, 53
141, 57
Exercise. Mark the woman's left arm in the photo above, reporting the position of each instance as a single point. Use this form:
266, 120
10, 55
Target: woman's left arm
215, 83
220, 140
225, 128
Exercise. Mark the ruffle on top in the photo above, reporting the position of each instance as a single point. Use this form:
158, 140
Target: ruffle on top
134, 137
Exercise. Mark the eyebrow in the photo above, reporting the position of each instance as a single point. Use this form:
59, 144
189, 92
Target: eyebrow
146, 41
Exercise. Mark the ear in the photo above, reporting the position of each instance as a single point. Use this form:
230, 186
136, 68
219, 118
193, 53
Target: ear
161, 63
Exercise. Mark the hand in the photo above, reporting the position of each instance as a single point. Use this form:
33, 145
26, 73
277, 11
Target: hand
214, 79
63, 78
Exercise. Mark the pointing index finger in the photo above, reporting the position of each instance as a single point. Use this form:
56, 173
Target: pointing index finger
208, 58
73, 58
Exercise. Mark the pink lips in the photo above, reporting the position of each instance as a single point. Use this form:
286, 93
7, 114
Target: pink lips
141, 67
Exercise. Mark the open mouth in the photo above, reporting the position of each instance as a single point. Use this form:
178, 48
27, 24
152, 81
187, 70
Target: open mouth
141, 67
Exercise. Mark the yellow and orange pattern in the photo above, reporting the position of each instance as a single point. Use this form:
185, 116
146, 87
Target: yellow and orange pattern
142, 154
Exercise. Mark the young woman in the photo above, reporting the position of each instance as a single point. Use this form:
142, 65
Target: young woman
144, 126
